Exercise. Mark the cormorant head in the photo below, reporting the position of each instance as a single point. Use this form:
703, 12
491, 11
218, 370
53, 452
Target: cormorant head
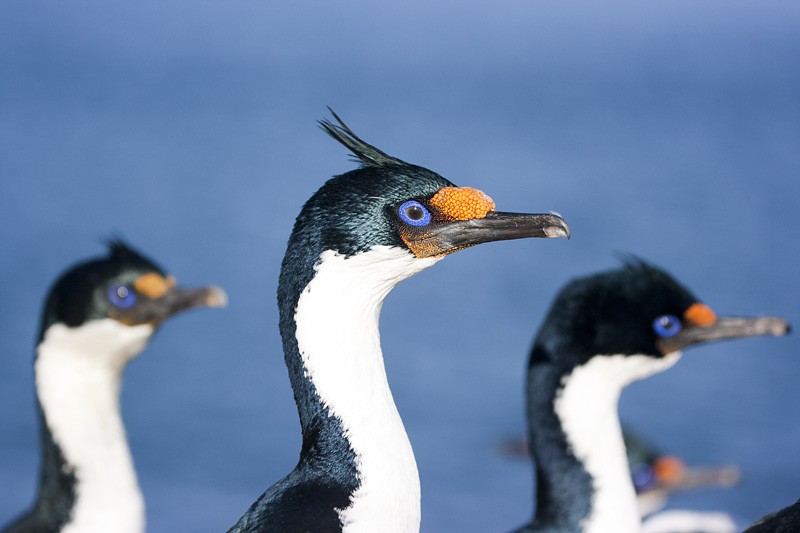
636, 309
388, 202
124, 286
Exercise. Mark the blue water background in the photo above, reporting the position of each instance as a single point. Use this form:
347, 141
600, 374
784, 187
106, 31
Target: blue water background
670, 130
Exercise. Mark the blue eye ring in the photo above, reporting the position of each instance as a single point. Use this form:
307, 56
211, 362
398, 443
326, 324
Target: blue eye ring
642, 476
121, 296
414, 213
667, 325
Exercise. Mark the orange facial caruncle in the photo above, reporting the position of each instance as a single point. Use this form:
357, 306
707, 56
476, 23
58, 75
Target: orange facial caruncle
700, 315
153, 285
462, 203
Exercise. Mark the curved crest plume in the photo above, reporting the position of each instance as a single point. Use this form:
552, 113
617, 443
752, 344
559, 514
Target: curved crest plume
364, 153
634, 262
118, 246
119, 249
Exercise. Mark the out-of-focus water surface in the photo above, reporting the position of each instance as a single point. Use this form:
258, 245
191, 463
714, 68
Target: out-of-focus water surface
667, 130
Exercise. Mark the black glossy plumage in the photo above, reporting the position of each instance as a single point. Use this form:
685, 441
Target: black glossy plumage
607, 313
77, 296
349, 214
787, 520
563, 486
56, 493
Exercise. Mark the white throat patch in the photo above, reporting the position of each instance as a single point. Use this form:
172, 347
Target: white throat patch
338, 338
587, 408
78, 377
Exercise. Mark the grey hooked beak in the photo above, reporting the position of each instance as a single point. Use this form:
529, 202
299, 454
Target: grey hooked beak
725, 328
177, 300
451, 236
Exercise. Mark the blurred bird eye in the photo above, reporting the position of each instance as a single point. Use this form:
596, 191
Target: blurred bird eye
414, 213
642, 476
667, 325
121, 296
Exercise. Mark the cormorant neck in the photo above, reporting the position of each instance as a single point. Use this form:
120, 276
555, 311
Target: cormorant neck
582, 476
84, 447
333, 352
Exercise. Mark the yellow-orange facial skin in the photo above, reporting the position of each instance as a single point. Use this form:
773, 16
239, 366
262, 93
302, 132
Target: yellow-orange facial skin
669, 470
449, 204
158, 297
153, 285
147, 287
462, 203
700, 315
697, 315
702, 325
455, 218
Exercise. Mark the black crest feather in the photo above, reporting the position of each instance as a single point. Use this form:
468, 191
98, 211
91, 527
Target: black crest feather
634, 264
364, 153
633, 261
123, 253
118, 248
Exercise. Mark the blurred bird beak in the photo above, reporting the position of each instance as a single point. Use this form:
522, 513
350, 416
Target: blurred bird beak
724, 328
179, 299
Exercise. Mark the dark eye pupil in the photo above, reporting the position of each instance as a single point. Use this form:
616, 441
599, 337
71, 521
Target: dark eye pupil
667, 325
121, 296
414, 212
